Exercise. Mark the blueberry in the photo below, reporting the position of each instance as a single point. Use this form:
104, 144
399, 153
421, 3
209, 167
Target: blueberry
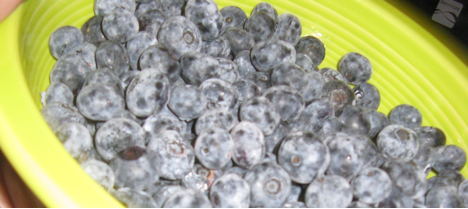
244, 64
313, 89
355, 68
330, 74
270, 185
100, 102
87, 52
368, 151
100, 172
70, 70
158, 57
329, 192
180, 36
268, 55
198, 67
366, 96
213, 147
156, 124
117, 135
357, 204
449, 157
445, 178
289, 74
239, 40
122, 114
247, 89
356, 121
104, 7
262, 112
120, 25
234, 17
148, 92
287, 101
261, 25
236, 170
430, 136
398, 142
113, 56
304, 61
249, 144
135, 47
187, 102
219, 118
56, 114
397, 199
288, 28
328, 126
463, 193
219, 47
197, 179
296, 191
377, 121
261, 79
345, 156
77, 140
60, 93
443, 197
408, 176
294, 204
338, 93
134, 199
206, 16
406, 115
64, 40
151, 21
304, 156
144, 7
313, 113
164, 192
230, 191
424, 158
92, 32
133, 168
371, 185
172, 7
188, 198
174, 156
228, 70
266, 8
219, 93
312, 47
104, 76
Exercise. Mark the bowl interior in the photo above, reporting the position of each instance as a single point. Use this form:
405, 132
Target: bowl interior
410, 66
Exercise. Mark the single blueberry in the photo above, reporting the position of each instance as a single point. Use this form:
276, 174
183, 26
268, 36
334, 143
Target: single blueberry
179, 35
64, 40
355, 68
398, 142
239, 40
406, 115
234, 17
329, 192
366, 96
312, 47
100, 102
270, 54
206, 16
249, 145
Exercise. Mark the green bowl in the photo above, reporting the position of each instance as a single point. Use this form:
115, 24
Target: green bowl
414, 63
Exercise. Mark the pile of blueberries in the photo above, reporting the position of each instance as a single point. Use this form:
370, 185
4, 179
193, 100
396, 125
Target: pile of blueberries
174, 103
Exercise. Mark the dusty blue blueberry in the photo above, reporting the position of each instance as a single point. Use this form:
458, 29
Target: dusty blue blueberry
77, 140
104, 7
445, 178
133, 168
408, 176
366, 96
228, 70
187, 102
270, 54
371, 185
296, 190
187, 198
100, 172
262, 112
122, 114
92, 32
294, 204
70, 70
261, 79
87, 52
198, 67
266, 8
338, 93
449, 157
56, 114
261, 25
158, 57
100, 102
135, 47
151, 21
355, 68
156, 124
304, 156
406, 115
58, 92
197, 179
104, 76
234, 17
396, 199
398, 142
313, 89
287, 101
219, 93
117, 135
213, 147
64, 40
346, 157
291, 75
134, 199
273, 140
244, 65
163, 192
148, 92
239, 40
312, 47
329, 192
355, 119
219, 118
174, 156
219, 47
249, 145
112, 56
127, 77
424, 158
304, 61
247, 89
313, 113
329, 126
288, 28
330, 74
357, 204
172, 7
206, 16
230, 191
463, 193
179, 35
377, 121
270, 185
120, 25
443, 197
144, 7
430, 136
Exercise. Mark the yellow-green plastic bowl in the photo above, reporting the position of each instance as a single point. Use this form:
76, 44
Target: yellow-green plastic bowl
414, 63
